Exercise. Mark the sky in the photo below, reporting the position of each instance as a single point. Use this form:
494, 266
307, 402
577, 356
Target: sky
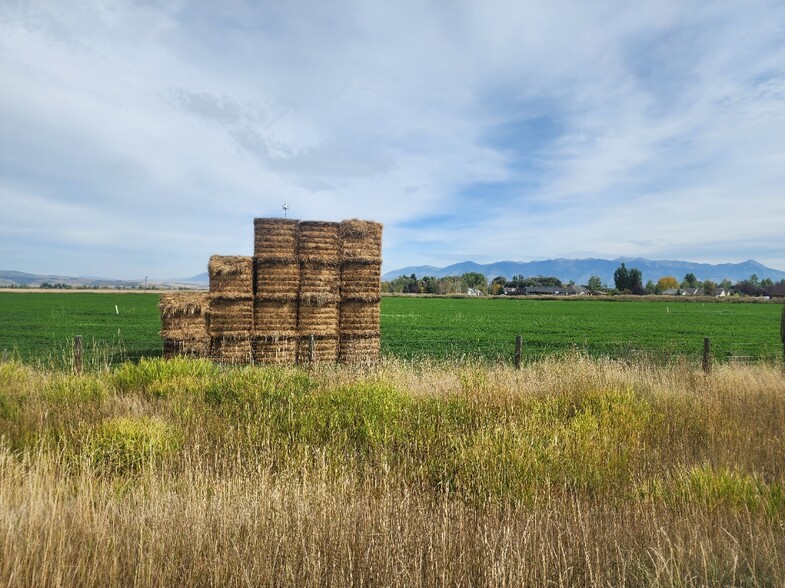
139, 138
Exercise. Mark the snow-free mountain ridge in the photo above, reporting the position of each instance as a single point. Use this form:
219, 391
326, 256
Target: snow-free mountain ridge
580, 270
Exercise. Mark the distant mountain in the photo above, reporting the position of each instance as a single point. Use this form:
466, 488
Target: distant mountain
580, 270
17, 279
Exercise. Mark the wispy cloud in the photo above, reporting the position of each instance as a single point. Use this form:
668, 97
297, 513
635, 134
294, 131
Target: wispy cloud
139, 139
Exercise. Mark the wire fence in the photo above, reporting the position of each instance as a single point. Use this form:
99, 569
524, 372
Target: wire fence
94, 354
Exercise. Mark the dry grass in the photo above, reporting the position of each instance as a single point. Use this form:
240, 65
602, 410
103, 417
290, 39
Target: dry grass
568, 472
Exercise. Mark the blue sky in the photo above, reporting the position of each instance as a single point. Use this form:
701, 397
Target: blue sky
139, 138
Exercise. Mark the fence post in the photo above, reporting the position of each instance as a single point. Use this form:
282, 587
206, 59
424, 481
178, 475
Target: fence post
782, 335
5, 355
78, 355
706, 355
518, 345
310, 348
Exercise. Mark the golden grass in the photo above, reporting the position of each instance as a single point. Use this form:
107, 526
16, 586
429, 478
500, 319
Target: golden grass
568, 472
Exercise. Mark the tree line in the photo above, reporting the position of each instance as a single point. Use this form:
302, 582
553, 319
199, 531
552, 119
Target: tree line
625, 281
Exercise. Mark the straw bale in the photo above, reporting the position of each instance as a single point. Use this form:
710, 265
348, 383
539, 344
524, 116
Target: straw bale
278, 350
275, 238
230, 317
361, 281
234, 350
319, 282
318, 241
277, 279
191, 347
190, 327
359, 349
318, 319
359, 318
275, 318
231, 275
361, 240
183, 304
325, 349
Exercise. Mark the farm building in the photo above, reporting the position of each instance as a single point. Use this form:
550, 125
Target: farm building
310, 292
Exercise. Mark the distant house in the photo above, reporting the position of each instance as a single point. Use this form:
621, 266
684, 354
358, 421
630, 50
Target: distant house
555, 291
683, 292
777, 291
510, 291
474, 292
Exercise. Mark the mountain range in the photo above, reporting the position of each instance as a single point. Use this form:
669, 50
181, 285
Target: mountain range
580, 270
22, 279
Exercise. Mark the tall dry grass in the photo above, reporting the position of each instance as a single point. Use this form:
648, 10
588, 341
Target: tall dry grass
569, 472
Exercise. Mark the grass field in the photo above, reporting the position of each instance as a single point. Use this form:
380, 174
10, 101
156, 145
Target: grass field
570, 472
40, 327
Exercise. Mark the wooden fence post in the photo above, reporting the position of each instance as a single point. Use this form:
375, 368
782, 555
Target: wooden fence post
78, 355
5, 355
518, 345
310, 348
706, 355
782, 335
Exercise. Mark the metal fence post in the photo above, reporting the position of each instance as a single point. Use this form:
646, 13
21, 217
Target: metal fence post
518, 345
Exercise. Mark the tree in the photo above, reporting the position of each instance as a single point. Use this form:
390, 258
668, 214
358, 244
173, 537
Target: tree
497, 285
650, 287
474, 280
666, 283
621, 277
595, 283
635, 283
628, 280
690, 280
709, 286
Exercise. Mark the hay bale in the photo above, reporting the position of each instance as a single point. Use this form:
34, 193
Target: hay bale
230, 316
275, 238
361, 281
318, 241
320, 283
275, 318
276, 350
325, 349
359, 349
231, 275
233, 350
190, 347
361, 240
276, 279
183, 315
359, 318
316, 319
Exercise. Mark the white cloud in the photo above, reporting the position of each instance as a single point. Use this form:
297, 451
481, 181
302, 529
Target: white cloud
170, 128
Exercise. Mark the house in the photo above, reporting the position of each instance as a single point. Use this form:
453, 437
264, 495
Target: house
474, 292
777, 290
554, 291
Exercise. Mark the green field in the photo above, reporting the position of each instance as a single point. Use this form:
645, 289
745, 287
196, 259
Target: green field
40, 327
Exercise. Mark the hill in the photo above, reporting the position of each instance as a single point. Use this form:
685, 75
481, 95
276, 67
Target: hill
580, 270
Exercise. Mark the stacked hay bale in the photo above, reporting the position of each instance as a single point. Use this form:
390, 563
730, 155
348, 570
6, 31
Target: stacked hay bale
318, 317
230, 315
361, 266
276, 287
184, 324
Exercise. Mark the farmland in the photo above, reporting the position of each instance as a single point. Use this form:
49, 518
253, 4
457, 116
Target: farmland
40, 326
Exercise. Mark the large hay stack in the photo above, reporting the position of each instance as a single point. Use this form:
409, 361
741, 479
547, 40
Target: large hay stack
309, 294
184, 323
230, 317
276, 286
361, 268
318, 315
